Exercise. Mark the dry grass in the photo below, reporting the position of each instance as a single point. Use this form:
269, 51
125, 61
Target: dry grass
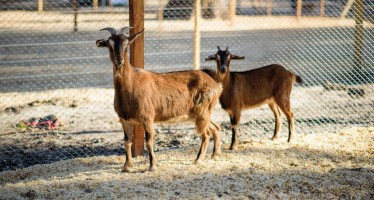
325, 165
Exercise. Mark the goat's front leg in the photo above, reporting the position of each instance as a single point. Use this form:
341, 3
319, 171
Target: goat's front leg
149, 135
234, 120
127, 129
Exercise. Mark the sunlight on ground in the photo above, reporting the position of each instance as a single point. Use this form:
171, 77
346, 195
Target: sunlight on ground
325, 165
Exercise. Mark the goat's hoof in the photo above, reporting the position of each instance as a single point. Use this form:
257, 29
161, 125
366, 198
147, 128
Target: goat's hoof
234, 148
153, 168
126, 169
274, 138
198, 162
216, 155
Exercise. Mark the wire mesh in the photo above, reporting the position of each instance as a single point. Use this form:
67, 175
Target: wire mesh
56, 87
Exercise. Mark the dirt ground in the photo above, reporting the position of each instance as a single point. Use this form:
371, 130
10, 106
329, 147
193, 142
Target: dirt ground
321, 165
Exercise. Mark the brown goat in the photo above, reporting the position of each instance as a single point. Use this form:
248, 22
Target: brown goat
270, 85
145, 97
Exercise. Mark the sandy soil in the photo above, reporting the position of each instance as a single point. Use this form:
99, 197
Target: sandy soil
321, 165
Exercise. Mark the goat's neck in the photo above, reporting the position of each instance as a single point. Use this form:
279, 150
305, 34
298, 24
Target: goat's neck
123, 76
226, 81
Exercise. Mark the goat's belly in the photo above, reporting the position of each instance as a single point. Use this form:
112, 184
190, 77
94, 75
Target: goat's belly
258, 104
178, 119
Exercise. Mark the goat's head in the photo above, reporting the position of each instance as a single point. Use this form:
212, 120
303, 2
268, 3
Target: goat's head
117, 44
223, 59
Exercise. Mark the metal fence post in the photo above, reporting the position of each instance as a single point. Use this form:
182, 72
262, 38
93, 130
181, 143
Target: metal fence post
136, 12
269, 6
160, 12
232, 10
196, 38
359, 34
299, 8
75, 11
40, 5
95, 4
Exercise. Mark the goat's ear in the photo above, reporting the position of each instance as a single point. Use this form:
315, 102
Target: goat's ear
101, 43
133, 37
235, 57
211, 57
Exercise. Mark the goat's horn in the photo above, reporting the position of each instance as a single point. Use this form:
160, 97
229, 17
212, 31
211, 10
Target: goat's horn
227, 48
112, 31
219, 49
124, 30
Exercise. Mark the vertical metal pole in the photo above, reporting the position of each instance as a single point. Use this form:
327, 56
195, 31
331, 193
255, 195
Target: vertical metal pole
111, 5
359, 33
136, 12
299, 8
160, 12
322, 5
269, 5
102, 3
196, 38
232, 12
95, 4
40, 5
75, 11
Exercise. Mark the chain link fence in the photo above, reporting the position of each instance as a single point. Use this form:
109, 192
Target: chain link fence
56, 90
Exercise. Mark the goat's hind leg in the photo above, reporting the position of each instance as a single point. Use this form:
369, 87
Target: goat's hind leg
285, 106
149, 135
204, 145
215, 130
278, 119
128, 133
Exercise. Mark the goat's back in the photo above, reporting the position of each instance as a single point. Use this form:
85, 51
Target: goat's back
175, 94
258, 86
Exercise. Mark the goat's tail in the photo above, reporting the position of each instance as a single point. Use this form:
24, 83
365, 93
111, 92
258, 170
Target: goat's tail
299, 79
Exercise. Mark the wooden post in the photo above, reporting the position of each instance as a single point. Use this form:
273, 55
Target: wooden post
95, 4
322, 5
299, 8
136, 14
269, 6
196, 38
359, 33
40, 5
232, 11
346, 8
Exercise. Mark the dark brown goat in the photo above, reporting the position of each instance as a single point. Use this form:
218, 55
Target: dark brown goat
145, 97
270, 85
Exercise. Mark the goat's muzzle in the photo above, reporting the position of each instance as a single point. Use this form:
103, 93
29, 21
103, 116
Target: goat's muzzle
223, 69
119, 62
